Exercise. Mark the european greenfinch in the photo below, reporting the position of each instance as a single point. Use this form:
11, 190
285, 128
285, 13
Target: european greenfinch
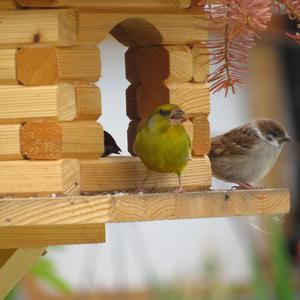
162, 142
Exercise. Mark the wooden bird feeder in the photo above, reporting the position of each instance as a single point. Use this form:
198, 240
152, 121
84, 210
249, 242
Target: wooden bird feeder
50, 142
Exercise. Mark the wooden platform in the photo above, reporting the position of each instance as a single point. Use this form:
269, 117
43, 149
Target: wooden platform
87, 213
28, 225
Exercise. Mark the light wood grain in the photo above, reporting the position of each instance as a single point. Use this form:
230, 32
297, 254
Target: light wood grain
200, 64
161, 63
48, 140
198, 131
107, 4
7, 4
88, 102
50, 65
50, 235
25, 27
141, 27
20, 104
147, 207
127, 173
191, 97
8, 66
23, 177
14, 264
10, 147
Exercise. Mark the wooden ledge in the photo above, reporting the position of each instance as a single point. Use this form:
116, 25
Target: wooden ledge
36, 222
98, 209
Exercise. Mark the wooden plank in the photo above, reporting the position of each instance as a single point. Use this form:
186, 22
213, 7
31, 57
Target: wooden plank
160, 63
127, 173
20, 104
141, 27
131, 65
100, 209
50, 65
48, 140
143, 98
26, 27
7, 4
199, 133
131, 101
8, 66
14, 264
193, 98
198, 130
50, 235
131, 133
88, 102
107, 4
10, 147
23, 177
5, 255
200, 64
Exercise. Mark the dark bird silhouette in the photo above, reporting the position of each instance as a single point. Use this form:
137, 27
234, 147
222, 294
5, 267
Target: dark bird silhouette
110, 145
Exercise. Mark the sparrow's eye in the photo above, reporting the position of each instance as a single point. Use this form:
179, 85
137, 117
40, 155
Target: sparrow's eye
164, 112
269, 137
275, 133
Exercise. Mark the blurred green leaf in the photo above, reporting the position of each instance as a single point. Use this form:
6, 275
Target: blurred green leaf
12, 294
259, 282
161, 292
44, 269
282, 275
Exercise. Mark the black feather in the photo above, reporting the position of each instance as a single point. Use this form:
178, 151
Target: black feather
110, 145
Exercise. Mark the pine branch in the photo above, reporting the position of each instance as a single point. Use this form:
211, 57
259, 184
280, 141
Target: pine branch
238, 23
292, 9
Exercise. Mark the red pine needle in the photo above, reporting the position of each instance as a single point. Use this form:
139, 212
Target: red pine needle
238, 23
292, 9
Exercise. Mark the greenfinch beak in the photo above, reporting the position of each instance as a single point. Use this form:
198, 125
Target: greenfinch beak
177, 115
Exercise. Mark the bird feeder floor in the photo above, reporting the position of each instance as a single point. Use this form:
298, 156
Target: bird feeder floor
128, 207
29, 225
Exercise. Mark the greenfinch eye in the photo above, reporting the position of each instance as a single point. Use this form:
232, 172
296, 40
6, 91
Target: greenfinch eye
164, 112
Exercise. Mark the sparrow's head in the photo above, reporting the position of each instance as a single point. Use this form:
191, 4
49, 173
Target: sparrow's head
169, 113
272, 132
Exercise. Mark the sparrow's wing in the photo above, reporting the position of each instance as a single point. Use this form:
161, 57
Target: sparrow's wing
236, 141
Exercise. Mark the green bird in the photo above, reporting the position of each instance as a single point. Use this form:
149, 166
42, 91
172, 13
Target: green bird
162, 142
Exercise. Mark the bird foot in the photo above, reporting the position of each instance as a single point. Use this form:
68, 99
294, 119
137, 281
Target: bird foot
179, 190
245, 186
139, 190
239, 187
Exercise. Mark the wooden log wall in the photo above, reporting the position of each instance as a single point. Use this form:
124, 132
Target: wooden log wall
169, 74
49, 103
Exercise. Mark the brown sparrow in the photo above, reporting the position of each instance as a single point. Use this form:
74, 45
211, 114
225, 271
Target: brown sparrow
245, 154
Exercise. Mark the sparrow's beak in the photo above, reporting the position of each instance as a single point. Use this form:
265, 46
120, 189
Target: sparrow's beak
286, 139
177, 115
